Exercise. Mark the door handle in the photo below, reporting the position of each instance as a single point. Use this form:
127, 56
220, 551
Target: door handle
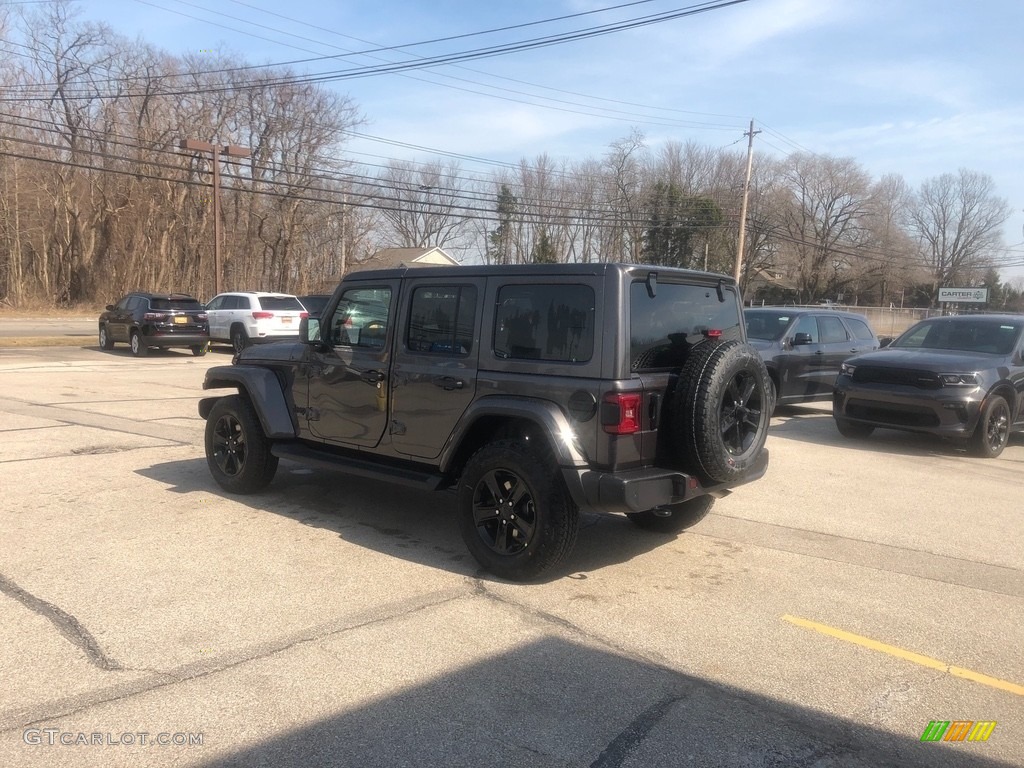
820, 352
448, 383
372, 377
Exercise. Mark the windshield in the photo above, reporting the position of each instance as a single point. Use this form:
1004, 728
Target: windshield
988, 336
768, 326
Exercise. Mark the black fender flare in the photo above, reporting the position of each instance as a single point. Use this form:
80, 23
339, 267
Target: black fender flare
264, 391
544, 413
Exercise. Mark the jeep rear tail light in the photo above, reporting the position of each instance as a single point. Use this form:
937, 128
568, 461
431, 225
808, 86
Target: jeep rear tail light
620, 413
304, 315
262, 315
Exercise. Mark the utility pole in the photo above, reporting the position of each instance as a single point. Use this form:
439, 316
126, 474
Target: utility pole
215, 152
743, 208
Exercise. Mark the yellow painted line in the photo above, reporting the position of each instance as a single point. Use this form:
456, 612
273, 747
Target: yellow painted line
902, 653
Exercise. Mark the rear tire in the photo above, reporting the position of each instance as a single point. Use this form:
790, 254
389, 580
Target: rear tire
198, 350
684, 515
515, 512
139, 348
853, 430
993, 430
237, 450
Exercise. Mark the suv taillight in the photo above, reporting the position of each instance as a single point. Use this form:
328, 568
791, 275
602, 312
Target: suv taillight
262, 315
620, 413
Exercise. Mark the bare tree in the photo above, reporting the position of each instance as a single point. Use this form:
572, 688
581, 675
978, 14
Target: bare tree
957, 220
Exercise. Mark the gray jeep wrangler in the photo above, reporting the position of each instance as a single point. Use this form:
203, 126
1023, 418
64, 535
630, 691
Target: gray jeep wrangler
533, 390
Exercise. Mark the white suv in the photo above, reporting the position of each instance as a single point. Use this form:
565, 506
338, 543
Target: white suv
246, 317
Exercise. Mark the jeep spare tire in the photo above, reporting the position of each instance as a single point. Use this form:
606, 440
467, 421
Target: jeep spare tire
720, 411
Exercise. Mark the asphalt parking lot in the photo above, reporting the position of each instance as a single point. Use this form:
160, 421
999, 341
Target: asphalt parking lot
823, 616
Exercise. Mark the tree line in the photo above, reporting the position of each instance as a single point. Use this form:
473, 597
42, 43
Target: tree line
96, 197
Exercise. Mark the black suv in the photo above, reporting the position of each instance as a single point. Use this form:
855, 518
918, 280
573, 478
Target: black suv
534, 390
145, 320
959, 377
803, 348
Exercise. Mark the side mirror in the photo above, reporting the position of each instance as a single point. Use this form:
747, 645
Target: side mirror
309, 330
802, 338
110, 307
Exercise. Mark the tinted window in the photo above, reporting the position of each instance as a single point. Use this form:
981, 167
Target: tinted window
137, 302
663, 328
361, 317
860, 329
966, 335
314, 304
215, 302
832, 330
166, 304
281, 303
123, 303
238, 302
769, 326
807, 324
545, 322
441, 320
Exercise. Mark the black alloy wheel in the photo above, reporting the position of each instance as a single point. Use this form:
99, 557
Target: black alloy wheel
504, 512
993, 430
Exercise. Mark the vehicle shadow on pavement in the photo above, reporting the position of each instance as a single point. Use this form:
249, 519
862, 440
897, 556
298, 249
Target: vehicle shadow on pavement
559, 702
418, 526
817, 427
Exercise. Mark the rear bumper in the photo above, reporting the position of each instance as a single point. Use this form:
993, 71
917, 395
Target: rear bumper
640, 490
156, 339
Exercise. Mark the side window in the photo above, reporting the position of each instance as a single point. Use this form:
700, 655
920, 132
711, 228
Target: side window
123, 303
243, 302
136, 303
832, 330
860, 329
808, 324
361, 318
441, 320
545, 322
215, 303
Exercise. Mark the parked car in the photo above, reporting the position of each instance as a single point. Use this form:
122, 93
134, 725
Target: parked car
803, 348
960, 377
315, 303
144, 320
530, 390
241, 318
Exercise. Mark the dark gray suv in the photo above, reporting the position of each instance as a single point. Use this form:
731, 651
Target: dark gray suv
959, 377
532, 390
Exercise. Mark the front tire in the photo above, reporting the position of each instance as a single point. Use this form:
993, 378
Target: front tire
239, 338
138, 346
993, 430
106, 342
684, 515
853, 430
515, 513
237, 450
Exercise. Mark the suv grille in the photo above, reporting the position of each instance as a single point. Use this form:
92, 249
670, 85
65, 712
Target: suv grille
906, 377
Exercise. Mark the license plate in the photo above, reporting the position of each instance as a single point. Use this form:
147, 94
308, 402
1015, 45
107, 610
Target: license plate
286, 320
180, 320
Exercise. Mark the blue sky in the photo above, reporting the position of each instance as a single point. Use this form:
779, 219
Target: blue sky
913, 87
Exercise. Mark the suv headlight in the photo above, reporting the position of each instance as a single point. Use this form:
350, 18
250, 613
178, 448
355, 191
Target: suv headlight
959, 379
846, 369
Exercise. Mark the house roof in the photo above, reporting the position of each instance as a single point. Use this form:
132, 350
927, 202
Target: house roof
408, 257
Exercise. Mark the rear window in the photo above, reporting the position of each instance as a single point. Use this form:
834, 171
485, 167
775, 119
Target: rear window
168, 304
281, 303
545, 322
663, 328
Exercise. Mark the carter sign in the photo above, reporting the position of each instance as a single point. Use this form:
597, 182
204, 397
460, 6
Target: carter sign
978, 295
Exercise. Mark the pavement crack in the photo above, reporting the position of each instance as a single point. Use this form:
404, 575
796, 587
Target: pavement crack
618, 750
63, 621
